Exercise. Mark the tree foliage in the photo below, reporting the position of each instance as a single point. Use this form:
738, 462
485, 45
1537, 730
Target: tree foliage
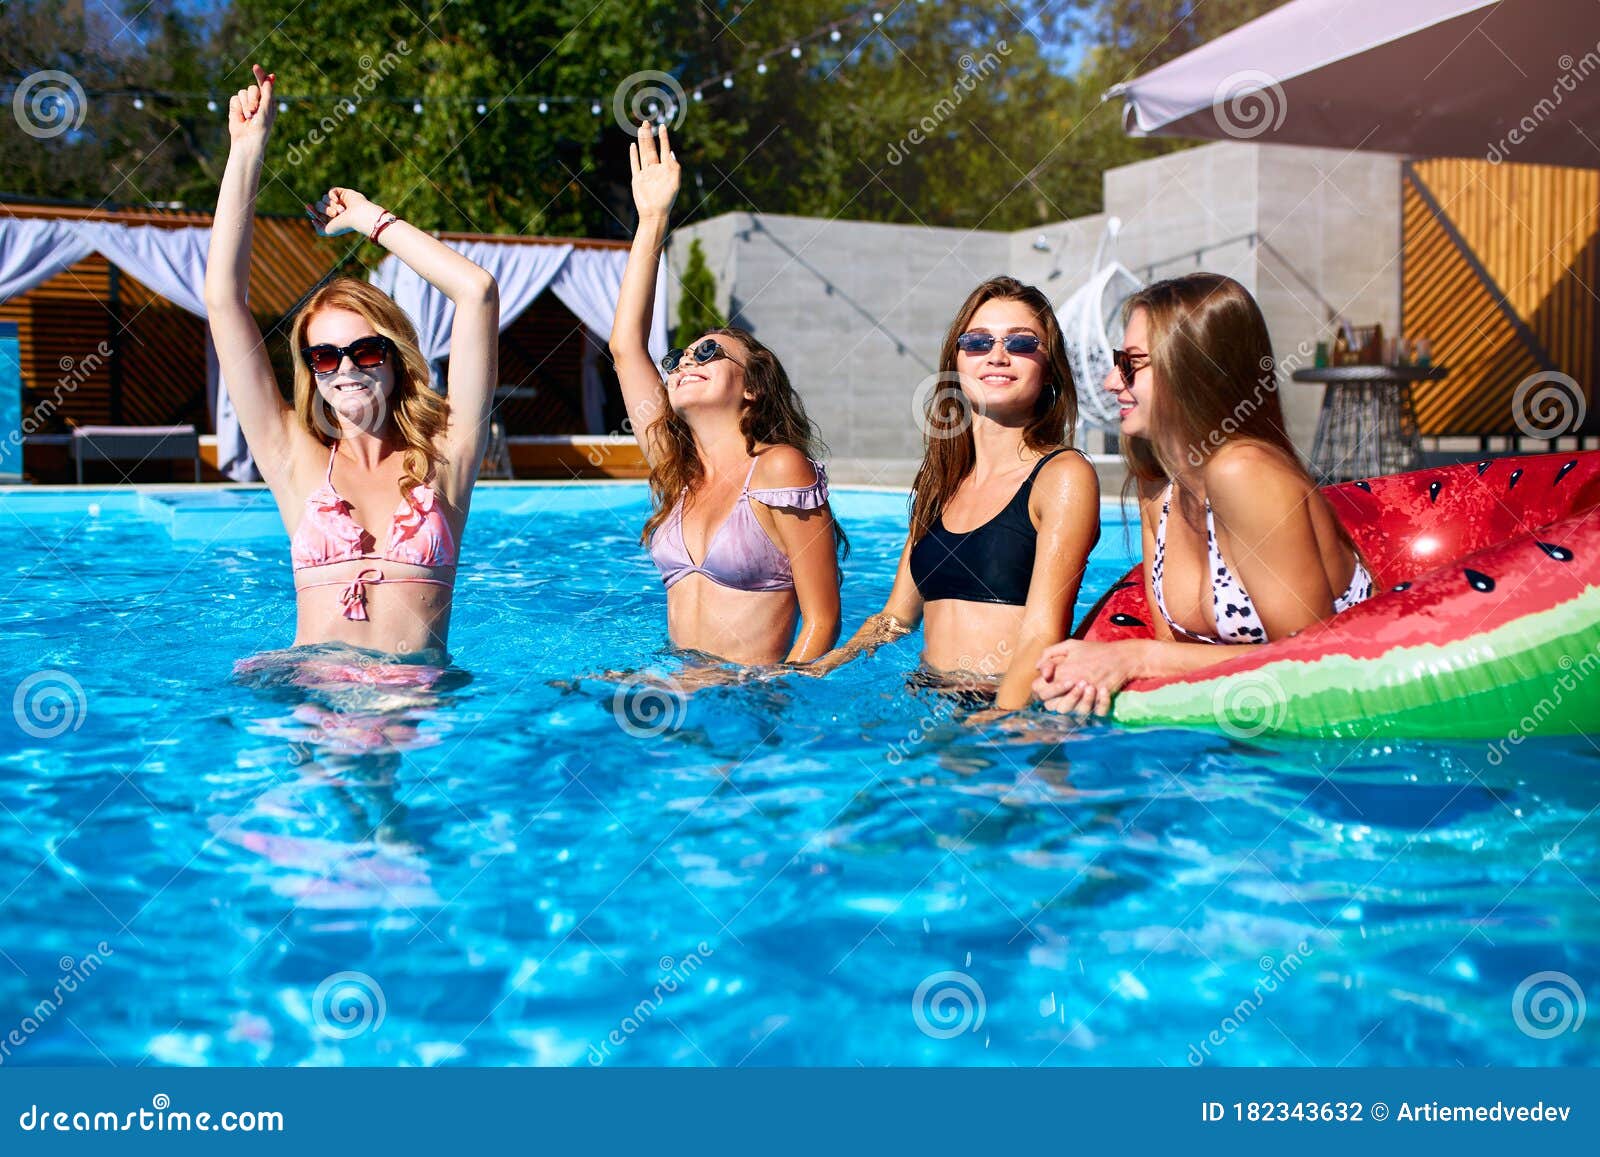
963, 113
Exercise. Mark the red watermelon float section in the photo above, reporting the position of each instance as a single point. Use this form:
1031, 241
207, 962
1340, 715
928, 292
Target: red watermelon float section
1485, 624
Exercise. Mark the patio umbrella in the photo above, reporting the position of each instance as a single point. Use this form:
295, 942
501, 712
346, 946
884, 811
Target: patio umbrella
1497, 79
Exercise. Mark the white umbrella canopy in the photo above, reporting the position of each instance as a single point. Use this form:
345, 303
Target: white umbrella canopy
1497, 79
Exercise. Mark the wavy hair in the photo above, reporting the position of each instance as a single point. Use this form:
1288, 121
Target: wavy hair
418, 413
775, 416
951, 453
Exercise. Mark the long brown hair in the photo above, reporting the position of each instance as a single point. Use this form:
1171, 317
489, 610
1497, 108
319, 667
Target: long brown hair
418, 413
1216, 380
947, 426
774, 415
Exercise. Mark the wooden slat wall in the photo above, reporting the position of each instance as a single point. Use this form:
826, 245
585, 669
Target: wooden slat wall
1535, 230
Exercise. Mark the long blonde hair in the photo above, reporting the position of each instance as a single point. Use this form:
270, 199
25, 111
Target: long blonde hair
418, 413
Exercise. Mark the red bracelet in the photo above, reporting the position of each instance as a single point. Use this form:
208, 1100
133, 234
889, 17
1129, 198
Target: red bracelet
384, 221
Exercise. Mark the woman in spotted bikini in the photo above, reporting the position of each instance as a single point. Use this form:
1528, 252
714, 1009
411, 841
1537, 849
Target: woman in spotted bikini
1240, 547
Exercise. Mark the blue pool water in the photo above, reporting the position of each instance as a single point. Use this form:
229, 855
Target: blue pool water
524, 866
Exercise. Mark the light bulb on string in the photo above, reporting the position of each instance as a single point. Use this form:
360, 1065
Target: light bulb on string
727, 82
762, 68
416, 107
795, 52
877, 17
211, 106
283, 106
834, 36
697, 94
138, 102
543, 107
482, 108
595, 108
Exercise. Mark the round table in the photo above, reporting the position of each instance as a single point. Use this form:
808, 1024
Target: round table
1368, 425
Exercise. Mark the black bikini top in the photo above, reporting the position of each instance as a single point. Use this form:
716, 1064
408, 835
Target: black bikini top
992, 563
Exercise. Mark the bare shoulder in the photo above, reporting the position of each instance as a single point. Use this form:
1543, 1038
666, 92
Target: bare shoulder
782, 466
1067, 475
1244, 478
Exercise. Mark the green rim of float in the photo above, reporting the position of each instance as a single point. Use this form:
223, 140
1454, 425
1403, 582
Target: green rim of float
1548, 660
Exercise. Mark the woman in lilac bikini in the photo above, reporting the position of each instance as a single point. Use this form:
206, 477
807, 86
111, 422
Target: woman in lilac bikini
734, 475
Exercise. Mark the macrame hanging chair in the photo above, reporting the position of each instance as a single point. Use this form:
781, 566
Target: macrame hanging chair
1091, 324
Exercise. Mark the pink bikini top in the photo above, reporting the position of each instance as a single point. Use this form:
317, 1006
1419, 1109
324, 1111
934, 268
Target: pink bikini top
328, 533
740, 554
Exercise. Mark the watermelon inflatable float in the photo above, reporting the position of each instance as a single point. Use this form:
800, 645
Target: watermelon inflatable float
1485, 623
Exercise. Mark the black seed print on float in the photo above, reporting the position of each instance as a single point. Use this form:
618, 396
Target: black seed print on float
1433, 490
1482, 466
1401, 587
1559, 553
1479, 581
1363, 485
1516, 475
1562, 473
1124, 585
1121, 620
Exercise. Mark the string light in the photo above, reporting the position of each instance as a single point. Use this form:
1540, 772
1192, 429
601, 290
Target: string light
831, 30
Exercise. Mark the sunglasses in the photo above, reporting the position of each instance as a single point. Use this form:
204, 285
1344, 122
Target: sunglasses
982, 343
366, 353
1124, 361
703, 354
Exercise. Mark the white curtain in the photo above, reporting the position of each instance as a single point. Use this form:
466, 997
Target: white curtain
588, 285
34, 249
170, 261
522, 271
586, 281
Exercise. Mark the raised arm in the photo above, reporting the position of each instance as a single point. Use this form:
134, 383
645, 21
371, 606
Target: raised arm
655, 185
474, 335
267, 420
1067, 498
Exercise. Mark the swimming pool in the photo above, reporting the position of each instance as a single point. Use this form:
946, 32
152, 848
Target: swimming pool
529, 867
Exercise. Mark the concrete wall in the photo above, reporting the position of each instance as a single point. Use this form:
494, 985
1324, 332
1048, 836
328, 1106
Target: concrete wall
857, 310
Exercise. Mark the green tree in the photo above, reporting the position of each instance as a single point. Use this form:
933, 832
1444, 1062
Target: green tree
697, 308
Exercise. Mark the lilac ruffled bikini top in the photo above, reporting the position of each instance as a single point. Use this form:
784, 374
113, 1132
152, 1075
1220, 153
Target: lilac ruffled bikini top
740, 554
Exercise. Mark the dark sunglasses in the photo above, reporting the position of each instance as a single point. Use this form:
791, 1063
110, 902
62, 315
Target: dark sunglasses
1124, 361
982, 343
703, 354
366, 353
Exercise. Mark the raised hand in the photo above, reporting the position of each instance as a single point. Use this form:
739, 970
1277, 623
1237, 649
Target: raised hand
252, 111
655, 172
344, 211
